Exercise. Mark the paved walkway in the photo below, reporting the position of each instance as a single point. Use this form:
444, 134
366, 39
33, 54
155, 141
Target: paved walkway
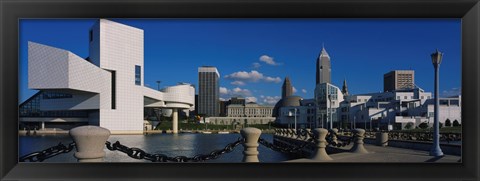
384, 154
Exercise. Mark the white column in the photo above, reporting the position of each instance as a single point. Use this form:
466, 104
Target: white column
175, 120
43, 125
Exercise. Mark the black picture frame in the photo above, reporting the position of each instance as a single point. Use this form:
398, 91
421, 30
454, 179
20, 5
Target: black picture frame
11, 11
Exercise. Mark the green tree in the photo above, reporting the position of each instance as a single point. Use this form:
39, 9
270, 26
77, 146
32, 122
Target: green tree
423, 125
409, 125
448, 123
456, 123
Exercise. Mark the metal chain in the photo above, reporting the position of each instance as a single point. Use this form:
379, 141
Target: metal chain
138, 153
343, 143
274, 147
40, 156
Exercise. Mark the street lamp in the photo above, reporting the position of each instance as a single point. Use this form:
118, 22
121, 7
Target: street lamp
331, 115
436, 150
158, 85
295, 119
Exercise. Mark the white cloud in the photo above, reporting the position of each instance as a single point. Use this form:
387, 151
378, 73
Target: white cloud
272, 79
238, 83
221, 99
223, 90
270, 100
268, 60
235, 92
294, 90
252, 76
256, 65
241, 92
304, 91
250, 99
451, 92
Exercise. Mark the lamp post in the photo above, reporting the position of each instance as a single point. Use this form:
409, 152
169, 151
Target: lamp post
331, 115
295, 109
158, 85
436, 150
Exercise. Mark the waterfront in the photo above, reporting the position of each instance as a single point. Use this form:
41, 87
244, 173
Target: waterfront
184, 144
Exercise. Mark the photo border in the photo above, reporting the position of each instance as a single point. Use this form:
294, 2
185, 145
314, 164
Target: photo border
12, 11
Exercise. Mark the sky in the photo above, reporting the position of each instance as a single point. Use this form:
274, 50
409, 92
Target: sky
253, 56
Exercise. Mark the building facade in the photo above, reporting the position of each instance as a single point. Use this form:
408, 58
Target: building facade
323, 68
208, 91
108, 85
244, 114
397, 108
398, 79
327, 99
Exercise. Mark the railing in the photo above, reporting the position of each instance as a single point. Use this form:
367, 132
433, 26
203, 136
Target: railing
90, 142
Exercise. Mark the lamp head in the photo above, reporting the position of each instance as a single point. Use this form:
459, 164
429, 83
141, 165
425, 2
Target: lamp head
436, 58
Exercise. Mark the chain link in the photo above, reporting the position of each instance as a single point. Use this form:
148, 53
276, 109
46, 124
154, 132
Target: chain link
40, 156
274, 147
140, 154
343, 143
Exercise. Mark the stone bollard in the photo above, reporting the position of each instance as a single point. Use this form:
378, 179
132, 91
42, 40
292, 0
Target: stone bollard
90, 142
251, 135
334, 135
381, 138
320, 143
358, 141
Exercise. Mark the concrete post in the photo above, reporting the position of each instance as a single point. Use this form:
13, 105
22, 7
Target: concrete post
320, 144
334, 135
90, 141
251, 135
43, 125
175, 120
382, 139
358, 147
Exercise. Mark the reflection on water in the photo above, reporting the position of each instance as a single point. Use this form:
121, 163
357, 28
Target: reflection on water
186, 144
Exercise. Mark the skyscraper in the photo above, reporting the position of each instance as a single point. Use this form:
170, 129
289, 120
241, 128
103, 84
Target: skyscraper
287, 89
345, 88
208, 91
324, 69
398, 79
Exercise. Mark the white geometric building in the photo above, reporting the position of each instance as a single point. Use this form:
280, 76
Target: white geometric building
108, 84
397, 108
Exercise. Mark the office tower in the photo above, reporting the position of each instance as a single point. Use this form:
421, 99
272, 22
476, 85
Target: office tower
287, 89
398, 79
345, 88
208, 91
324, 69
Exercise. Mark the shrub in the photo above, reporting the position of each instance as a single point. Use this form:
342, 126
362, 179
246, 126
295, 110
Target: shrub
448, 123
423, 125
456, 123
409, 125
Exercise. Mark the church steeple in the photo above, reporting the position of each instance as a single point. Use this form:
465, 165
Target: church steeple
323, 67
287, 89
344, 87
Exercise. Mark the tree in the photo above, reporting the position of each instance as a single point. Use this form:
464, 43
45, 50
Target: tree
456, 123
423, 125
448, 123
440, 125
409, 125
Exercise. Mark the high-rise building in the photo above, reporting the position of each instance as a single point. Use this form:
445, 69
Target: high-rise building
345, 88
324, 69
398, 79
208, 91
287, 89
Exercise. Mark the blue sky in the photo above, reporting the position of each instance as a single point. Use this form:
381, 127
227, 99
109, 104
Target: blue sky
253, 56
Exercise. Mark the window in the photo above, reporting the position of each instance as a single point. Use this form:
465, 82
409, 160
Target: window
405, 97
138, 73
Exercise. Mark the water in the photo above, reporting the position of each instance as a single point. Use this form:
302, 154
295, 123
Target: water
185, 144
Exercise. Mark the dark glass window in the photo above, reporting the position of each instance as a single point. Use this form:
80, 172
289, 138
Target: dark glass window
138, 73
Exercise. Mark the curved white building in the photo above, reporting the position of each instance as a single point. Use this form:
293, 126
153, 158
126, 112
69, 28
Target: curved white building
107, 86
